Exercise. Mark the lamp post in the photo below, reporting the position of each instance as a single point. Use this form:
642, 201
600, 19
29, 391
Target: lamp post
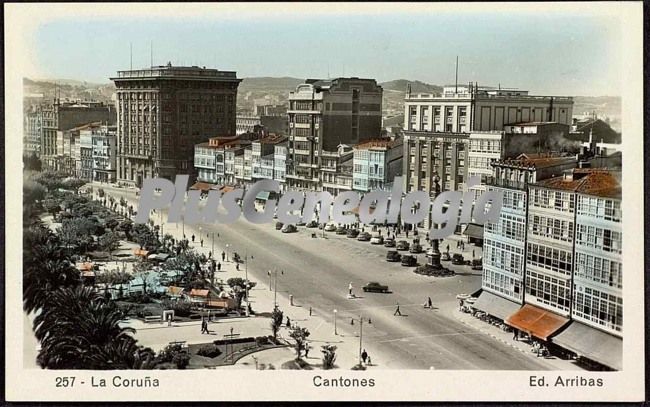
435, 252
246, 283
213, 253
227, 246
335, 312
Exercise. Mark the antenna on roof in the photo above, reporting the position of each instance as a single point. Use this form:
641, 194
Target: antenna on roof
456, 73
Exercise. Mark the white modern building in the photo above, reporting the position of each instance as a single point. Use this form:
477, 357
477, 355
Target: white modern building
376, 163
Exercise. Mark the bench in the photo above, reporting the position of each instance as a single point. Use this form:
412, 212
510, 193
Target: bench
152, 318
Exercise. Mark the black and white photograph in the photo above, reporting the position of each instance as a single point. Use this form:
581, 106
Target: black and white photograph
345, 195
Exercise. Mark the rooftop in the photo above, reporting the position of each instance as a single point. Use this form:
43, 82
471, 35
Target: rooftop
177, 72
376, 143
273, 139
529, 160
590, 181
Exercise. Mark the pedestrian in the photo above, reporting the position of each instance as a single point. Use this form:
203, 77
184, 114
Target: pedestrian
430, 303
210, 254
237, 266
201, 242
309, 311
204, 326
193, 238
288, 323
397, 311
514, 335
219, 266
369, 362
407, 233
364, 356
306, 350
447, 247
473, 253
350, 288
223, 256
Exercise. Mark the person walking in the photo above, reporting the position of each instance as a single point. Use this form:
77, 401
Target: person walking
473, 253
223, 256
219, 266
201, 242
237, 266
369, 361
350, 288
288, 323
204, 326
364, 356
193, 237
447, 247
514, 335
429, 302
397, 311
306, 350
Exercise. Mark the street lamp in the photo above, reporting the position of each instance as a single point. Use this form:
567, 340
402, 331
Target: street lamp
335, 312
227, 246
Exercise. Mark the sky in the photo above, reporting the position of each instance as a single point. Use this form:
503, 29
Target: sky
545, 53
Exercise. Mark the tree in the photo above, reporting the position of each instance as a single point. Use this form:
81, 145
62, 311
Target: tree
78, 232
78, 324
46, 268
52, 206
109, 242
33, 192
329, 356
276, 322
299, 335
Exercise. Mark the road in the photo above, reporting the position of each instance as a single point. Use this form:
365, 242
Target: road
317, 272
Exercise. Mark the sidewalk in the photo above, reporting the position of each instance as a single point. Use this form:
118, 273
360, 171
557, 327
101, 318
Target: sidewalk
262, 301
495, 332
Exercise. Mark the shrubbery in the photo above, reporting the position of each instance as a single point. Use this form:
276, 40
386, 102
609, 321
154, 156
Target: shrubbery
210, 351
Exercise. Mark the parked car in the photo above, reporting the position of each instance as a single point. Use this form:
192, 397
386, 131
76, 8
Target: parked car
300, 223
330, 227
363, 237
402, 245
457, 258
278, 225
445, 256
377, 240
312, 224
393, 256
374, 287
352, 233
416, 248
409, 261
289, 228
341, 230
477, 264
389, 242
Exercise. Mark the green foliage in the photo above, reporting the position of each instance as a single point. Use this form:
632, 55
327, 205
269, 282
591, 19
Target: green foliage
209, 351
329, 356
276, 321
46, 267
236, 282
109, 242
299, 335
175, 354
33, 192
181, 308
114, 277
32, 162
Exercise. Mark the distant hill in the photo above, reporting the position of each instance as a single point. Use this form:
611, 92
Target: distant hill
416, 86
270, 84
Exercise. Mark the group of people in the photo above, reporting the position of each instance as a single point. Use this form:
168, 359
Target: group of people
365, 358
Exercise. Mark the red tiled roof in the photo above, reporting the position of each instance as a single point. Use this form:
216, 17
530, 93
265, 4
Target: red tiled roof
199, 293
598, 182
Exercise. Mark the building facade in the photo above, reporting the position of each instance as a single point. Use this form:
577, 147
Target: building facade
104, 153
324, 114
472, 108
163, 112
246, 123
376, 163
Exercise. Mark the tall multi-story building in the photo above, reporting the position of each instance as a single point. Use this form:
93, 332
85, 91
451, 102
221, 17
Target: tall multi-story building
163, 112
504, 246
32, 131
376, 163
104, 149
263, 156
324, 114
470, 108
63, 116
280, 152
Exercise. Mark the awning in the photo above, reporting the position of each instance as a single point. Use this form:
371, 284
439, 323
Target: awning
592, 343
263, 195
536, 321
474, 231
496, 306
202, 186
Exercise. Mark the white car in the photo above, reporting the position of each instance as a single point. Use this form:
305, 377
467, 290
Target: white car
330, 227
377, 240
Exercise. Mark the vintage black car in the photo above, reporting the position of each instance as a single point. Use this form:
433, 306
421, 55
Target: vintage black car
477, 264
416, 248
457, 258
389, 242
312, 224
445, 256
341, 230
409, 261
402, 245
278, 225
352, 233
364, 237
289, 228
393, 256
374, 287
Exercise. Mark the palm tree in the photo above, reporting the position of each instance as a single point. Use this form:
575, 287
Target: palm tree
79, 329
46, 267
